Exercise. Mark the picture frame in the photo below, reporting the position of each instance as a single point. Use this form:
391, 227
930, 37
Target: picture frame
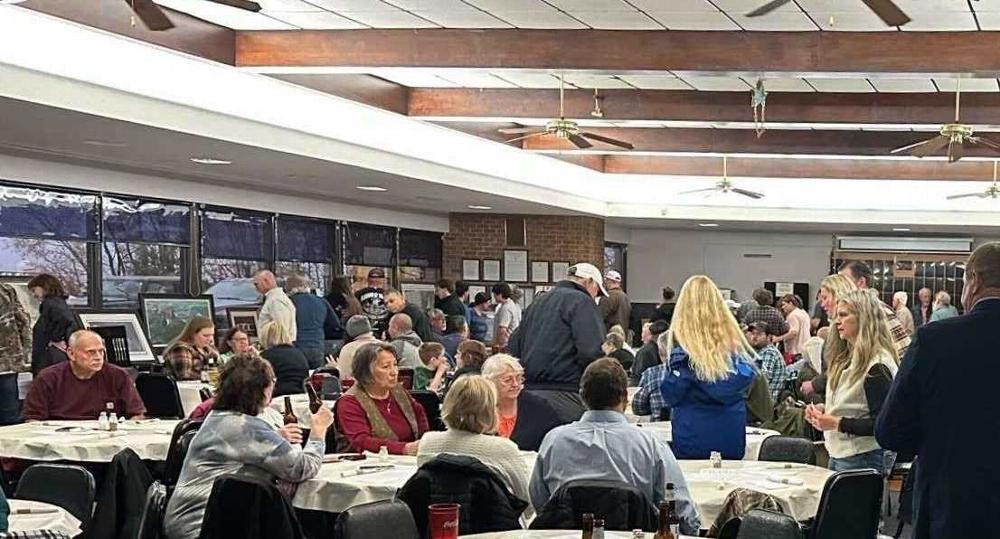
24, 297
515, 266
559, 271
419, 294
245, 319
470, 270
139, 348
476, 289
165, 315
491, 270
539, 272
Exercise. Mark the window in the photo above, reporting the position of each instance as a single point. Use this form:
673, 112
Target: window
367, 247
66, 260
306, 246
144, 249
235, 244
419, 256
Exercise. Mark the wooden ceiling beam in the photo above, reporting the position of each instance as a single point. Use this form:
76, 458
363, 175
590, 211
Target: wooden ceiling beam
972, 53
682, 105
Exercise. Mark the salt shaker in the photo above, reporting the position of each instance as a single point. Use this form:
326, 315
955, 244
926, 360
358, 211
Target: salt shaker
716, 459
102, 421
113, 422
383, 454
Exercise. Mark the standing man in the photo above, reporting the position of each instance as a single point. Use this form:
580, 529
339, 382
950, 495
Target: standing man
560, 335
277, 306
616, 308
372, 299
861, 274
903, 312
447, 300
396, 303
942, 406
923, 308
648, 354
508, 315
764, 311
798, 326
478, 326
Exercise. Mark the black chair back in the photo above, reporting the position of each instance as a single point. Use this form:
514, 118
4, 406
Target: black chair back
406, 378
205, 394
906, 500
761, 524
622, 506
151, 525
787, 449
115, 344
850, 506
331, 389
67, 486
432, 406
180, 441
390, 518
248, 508
160, 395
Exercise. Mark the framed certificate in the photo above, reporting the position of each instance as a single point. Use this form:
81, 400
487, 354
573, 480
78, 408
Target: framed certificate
539, 272
470, 270
491, 270
515, 266
559, 271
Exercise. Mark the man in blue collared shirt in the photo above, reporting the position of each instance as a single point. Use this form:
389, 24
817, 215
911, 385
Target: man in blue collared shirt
602, 445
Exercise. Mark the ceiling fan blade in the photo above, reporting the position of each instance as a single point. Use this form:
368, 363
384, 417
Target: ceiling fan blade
767, 8
150, 14
579, 142
532, 135
933, 145
698, 191
241, 4
908, 147
985, 142
967, 195
519, 130
608, 140
744, 192
888, 12
955, 150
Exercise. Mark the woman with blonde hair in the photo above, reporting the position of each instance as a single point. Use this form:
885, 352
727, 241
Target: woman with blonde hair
708, 376
290, 365
507, 375
831, 288
863, 362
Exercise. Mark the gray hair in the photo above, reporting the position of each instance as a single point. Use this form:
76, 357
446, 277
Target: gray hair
901, 296
74, 338
664, 342
497, 364
943, 298
435, 314
298, 283
364, 361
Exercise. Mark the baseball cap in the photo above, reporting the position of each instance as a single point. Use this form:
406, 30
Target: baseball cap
759, 326
613, 276
584, 270
376, 273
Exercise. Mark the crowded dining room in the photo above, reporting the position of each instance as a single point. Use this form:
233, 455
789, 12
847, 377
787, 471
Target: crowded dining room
499, 269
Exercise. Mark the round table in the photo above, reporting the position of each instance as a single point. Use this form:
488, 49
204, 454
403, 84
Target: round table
28, 515
190, 392
755, 436
300, 405
332, 491
552, 534
149, 438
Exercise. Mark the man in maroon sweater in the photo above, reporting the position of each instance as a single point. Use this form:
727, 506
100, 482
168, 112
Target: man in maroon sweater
82, 387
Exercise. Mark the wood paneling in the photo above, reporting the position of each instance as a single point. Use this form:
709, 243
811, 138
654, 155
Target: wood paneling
190, 35
365, 89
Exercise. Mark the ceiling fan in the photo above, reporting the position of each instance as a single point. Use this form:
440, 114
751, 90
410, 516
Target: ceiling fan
726, 186
991, 192
953, 135
563, 128
885, 9
153, 17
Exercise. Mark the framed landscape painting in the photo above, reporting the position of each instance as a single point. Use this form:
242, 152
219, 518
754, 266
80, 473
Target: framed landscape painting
165, 315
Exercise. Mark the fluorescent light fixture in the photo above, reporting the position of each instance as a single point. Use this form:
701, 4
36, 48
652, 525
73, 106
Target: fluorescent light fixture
210, 161
373, 188
103, 143
900, 229
708, 225
478, 207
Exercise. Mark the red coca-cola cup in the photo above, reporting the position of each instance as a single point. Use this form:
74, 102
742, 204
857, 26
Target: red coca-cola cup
443, 521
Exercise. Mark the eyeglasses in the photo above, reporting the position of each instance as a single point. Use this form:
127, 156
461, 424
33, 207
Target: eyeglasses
512, 380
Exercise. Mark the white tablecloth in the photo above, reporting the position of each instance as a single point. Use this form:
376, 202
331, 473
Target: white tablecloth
300, 405
754, 436
190, 395
43, 516
40, 441
330, 491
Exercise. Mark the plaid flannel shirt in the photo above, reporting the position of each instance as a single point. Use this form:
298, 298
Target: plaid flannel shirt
648, 400
776, 324
773, 366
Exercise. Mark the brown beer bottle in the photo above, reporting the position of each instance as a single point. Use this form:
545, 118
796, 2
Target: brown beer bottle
289, 415
669, 522
588, 526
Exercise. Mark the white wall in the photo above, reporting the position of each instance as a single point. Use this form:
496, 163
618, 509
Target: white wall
58, 174
659, 257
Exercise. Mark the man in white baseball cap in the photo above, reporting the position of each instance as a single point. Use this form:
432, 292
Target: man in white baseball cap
616, 307
558, 337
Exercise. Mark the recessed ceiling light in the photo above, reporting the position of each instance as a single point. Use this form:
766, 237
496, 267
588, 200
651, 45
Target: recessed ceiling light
900, 229
478, 207
102, 143
708, 225
375, 188
210, 161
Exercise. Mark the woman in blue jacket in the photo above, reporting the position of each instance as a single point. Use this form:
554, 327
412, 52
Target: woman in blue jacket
709, 375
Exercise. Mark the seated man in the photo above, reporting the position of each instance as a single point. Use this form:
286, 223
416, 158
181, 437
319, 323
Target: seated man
648, 400
82, 387
769, 359
602, 445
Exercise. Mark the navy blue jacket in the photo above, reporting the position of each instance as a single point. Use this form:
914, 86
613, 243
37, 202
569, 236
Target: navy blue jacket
707, 416
315, 320
943, 406
560, 334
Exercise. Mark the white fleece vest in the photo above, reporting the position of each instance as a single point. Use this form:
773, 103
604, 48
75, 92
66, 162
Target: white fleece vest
849, 400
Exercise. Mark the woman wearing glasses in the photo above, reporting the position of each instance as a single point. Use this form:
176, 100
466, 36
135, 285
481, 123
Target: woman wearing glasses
507, 375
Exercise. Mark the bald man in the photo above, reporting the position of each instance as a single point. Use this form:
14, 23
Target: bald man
82, 387
277, 305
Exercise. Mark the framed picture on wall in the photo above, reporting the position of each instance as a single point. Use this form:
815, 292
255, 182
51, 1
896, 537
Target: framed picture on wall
139, 349
515, 266
245, 319
539, 272
559, 271
165, 315
476, 289
421, 295
491, 270
470, 270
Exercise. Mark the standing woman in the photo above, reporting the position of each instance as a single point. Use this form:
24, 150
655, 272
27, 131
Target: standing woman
831, 289
342, 299
863, 362
199, 335
55, 323
709, 374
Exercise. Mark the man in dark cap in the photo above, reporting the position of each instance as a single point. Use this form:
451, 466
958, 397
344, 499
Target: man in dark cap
478, 325
372, 300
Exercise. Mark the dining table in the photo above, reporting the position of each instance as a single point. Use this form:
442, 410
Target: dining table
27, 515
83, 441
754, 436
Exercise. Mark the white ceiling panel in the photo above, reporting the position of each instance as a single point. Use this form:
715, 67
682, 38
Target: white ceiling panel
428, 5
617, 20
389, 19
694, 20
510, 5
236, 19
945, 21
838, 6
469, 17
526, 79
858, 21
547, 19
777, 21
414, 78
968, 85
655, 82
682, 6
287, 5
718, 84
933, 6
903, 85
475, 79
316, 21
988, 20
591, 5
740, 7
842, 85
352, 5
595, 81
784, 85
